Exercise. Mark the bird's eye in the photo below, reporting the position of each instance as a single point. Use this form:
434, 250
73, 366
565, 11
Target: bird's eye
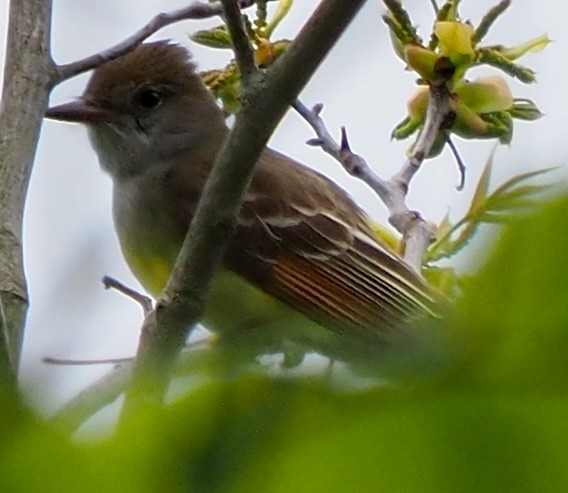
149, 99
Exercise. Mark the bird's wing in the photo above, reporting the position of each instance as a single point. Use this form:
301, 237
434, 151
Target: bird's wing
303, 240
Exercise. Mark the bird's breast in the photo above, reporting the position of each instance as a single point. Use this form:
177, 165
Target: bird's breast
148, 233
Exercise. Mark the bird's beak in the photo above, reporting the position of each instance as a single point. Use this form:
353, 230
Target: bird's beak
79, 111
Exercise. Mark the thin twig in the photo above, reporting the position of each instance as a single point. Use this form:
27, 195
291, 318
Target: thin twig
414, 229
438, 116
462, 168
244, 54
435, 6
353, 163
48, 360
144, 301
197, 10
109, 387
192, 346
93, 398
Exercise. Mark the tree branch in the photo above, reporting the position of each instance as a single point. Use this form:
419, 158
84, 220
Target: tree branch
96, 396
262, 107
27, 78
197, 10
414, 229
110, 387
242, 48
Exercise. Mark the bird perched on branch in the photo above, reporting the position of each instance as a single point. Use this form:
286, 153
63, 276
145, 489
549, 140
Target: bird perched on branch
303, 264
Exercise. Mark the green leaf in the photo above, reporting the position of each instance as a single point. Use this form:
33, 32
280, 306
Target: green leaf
217, 37
444, 280
36, 457
284, 7
502, 206
405, 128
399, 22
533, 46
517, 180
524, 109
514, 315
514, 199
480, 194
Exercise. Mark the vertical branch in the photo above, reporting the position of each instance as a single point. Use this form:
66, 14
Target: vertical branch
27, 80
244, 54
263, 105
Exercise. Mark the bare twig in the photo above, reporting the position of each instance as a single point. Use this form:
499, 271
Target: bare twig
244, 54
197, 10
353, 163
109, 387
48, 360
141, 299
459, 161
416, 233
98, 395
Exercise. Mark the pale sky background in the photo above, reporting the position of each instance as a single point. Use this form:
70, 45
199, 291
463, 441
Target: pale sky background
69, 238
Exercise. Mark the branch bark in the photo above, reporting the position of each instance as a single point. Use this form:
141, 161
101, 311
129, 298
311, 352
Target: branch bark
415, 231
28, 76
110, 387
263, 104
244, 54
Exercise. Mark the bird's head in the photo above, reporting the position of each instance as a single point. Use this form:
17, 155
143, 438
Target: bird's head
144, 108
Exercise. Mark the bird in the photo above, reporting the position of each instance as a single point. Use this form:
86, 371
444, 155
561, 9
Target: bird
304, 263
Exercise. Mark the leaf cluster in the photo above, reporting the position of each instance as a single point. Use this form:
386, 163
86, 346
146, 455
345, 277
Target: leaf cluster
225, 83
506, 203
483, 108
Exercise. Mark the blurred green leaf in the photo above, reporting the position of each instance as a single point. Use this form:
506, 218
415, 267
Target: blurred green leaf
503, 205
491, 418
513, 321
427, 442
35, 457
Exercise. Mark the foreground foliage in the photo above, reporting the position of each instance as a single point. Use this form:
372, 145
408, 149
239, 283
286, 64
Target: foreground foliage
490, 417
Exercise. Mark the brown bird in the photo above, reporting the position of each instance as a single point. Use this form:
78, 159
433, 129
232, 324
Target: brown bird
304, 258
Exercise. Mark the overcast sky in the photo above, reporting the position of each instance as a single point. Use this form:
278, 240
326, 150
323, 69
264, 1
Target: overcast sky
69, 238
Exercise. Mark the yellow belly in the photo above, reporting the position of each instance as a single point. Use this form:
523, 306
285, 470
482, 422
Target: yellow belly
234, 307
